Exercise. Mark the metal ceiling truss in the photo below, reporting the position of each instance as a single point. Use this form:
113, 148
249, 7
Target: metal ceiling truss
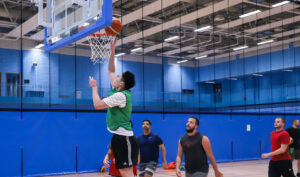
147, 22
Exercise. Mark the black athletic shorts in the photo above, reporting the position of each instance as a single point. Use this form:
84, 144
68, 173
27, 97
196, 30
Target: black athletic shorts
125, 150
295, 153
282, 167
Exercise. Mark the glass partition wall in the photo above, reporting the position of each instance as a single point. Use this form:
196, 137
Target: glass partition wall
187, 56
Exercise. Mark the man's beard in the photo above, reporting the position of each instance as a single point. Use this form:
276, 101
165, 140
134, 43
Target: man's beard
190, 130
146, 129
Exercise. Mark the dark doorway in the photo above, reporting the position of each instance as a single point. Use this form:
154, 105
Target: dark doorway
13, 81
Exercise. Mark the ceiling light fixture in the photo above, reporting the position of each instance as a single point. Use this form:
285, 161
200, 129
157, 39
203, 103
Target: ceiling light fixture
120, 54
171, 38
265, 42
182, 61
280, 4
39, 46
250, 13
203, 56
240, 48
85, 24
258, 75
210, 82
136, 49
203, 29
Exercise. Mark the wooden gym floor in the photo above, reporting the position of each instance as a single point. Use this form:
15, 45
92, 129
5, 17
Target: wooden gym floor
255, 168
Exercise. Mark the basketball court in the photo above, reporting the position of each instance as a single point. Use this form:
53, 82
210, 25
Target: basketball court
75, 74
231, 169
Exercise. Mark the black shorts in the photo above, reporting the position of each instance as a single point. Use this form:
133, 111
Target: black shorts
125, 150
282, 167
295, 153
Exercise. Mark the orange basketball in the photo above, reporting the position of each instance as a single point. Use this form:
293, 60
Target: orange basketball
115, 28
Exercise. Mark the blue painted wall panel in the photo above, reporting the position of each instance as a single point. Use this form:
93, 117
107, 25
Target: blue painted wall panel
289, 57
277, 60
153, 86
84, 69
222, 70
264, 62
251, 64
206, 73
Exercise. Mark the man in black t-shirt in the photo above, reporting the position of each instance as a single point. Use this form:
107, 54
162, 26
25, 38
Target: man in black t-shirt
294, 132
196, 148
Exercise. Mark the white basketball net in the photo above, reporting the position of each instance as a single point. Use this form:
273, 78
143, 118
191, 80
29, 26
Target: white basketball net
100, 47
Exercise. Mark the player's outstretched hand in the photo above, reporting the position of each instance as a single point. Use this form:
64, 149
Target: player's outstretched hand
113, 44
93, 82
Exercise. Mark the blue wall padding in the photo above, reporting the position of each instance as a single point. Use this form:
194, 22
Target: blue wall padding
11, 130
49, 139
92, 139
245, 143
49, 143
218, 129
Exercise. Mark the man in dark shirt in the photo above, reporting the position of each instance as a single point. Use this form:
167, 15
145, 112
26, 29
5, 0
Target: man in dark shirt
149, 144
294, 133
195, 147
280, 163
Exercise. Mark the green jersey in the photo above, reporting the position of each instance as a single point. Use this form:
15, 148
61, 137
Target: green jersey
120, 117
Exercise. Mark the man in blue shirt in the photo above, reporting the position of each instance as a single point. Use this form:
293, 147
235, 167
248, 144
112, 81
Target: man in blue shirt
149, 144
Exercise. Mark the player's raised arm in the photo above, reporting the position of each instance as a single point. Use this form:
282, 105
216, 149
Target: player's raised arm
111, 64
98, 103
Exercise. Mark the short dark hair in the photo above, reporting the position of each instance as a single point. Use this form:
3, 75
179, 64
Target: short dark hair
147, 121
283, 119
197, 120
128, 79
294, 120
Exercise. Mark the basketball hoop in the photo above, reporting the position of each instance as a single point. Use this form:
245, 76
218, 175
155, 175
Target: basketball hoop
100, 46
